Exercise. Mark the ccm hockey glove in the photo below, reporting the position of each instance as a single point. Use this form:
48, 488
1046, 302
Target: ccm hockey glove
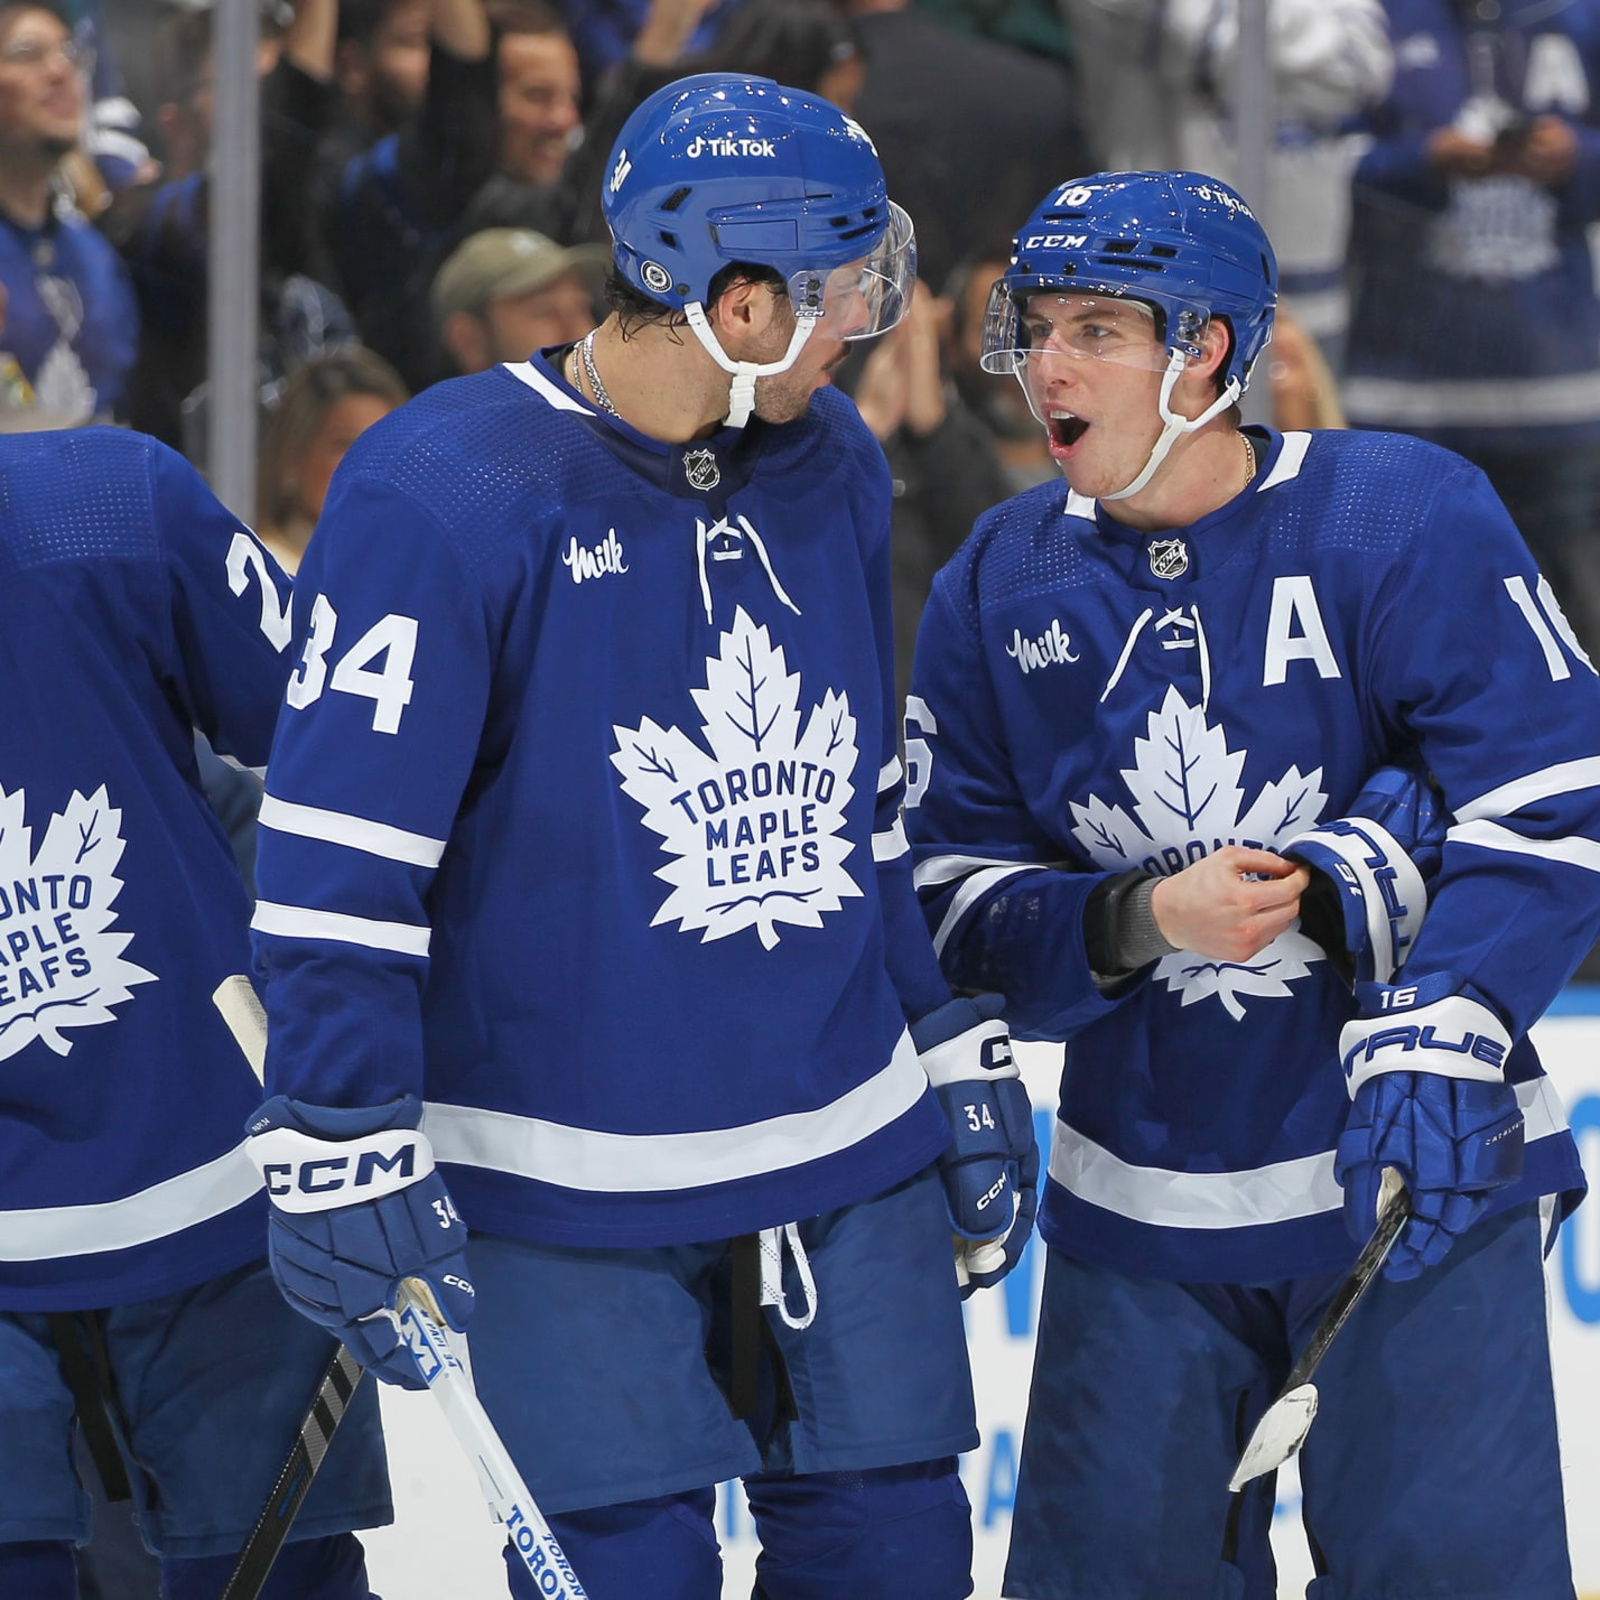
990, 1169
1370, 870
1429, 1097
356, 1207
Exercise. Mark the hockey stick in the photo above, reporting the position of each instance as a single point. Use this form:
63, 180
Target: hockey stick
419, 1321
236, 999
317, 1427
1283, 1428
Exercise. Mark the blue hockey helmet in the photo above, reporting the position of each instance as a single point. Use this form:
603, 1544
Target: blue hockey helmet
724, 168
1182, 243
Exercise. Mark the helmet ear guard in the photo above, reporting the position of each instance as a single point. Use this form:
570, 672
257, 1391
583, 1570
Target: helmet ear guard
723, 169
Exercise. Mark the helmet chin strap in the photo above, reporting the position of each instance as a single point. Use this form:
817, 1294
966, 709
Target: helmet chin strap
1172, 424
742, 394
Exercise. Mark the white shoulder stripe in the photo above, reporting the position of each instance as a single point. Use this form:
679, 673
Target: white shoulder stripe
301, 922
1290, 460
1574, 852
891, 844
339, 827
979, 883
1564, 778
526, 372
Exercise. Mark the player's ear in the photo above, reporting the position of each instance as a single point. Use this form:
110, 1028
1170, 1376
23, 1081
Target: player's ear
743, 308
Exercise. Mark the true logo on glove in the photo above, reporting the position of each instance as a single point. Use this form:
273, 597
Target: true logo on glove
1475, 1045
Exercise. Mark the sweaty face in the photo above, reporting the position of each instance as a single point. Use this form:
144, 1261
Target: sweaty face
1092, 374
538, 104
41, 92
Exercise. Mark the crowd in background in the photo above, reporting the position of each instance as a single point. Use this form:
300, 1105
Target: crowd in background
430, 183
431, 173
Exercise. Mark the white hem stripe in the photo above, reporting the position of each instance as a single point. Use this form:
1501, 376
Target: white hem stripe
301, 922
1286, 1191
45, 1233
339, 827
633, 1163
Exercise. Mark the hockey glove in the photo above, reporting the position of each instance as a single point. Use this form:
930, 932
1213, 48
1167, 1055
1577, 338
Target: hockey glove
990, 1169
356, 1207
1425, 1066
1370, 870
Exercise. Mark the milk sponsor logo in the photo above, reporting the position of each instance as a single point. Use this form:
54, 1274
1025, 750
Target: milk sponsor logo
1051, 648
751, 817
61, 954
594, 561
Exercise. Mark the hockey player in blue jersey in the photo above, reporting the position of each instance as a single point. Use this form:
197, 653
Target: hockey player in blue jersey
134, 1289
586, 910
1171, 733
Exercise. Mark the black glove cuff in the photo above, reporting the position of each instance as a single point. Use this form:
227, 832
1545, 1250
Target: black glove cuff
1119, 928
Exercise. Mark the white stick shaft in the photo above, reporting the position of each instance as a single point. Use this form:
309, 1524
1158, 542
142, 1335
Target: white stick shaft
235, 998
508, 1495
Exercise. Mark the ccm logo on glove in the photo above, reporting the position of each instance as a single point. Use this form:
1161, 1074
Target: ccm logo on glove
302, 1175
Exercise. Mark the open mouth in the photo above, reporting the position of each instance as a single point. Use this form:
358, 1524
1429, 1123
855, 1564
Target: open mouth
1065, 429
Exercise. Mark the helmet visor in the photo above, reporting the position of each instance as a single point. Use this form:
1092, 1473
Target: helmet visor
1082, 327
864, 297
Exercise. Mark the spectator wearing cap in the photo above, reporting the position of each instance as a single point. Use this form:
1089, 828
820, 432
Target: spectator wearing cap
506, 292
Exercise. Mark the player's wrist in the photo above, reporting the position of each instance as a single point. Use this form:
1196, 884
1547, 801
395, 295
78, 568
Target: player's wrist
316, 1158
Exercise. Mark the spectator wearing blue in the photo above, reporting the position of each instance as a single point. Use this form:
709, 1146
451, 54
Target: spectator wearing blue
70, 325
1476, 323
162, 228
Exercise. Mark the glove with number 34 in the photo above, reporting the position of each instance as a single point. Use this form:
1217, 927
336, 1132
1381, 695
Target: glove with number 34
990, 1169
356, 1207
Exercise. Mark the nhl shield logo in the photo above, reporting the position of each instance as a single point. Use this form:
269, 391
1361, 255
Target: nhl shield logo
1169, 558
700, 468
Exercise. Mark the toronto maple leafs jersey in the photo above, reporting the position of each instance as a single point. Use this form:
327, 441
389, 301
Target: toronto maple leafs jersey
1088, 700
135, 609
582, 819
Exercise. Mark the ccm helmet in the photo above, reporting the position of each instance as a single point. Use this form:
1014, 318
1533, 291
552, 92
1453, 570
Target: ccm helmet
723, 168
1180, 243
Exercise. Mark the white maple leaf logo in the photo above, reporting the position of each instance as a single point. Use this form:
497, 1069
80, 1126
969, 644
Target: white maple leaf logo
1187, 803
752, 824
61, 964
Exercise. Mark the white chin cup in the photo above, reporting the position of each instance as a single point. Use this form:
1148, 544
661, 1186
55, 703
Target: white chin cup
742, 395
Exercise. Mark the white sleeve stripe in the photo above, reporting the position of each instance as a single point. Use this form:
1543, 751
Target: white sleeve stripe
889, 775
1563, 778
301, 922
1572, 851
891, 844
339, 827
979, 883
937, 870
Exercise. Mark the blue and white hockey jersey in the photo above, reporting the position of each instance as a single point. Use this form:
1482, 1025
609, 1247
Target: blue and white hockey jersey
1475, 321
133, 609
1088, 700
583, 817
